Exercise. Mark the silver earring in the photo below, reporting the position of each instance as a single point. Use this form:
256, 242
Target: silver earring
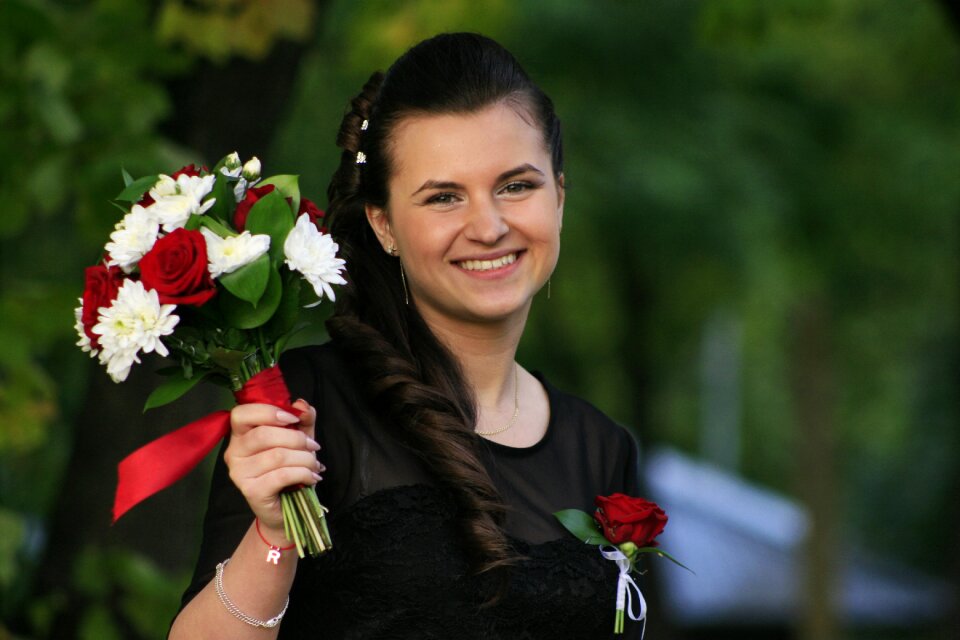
403, 279
548, 288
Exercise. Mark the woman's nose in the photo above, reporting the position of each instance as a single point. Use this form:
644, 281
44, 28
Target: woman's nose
486, 224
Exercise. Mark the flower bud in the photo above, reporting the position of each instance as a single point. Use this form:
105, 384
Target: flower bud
628, 549
232, 161
251, 170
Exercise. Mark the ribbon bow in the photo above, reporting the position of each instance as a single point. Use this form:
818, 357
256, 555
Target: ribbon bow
625, 583
158, 464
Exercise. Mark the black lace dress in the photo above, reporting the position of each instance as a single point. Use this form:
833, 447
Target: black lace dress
397, 569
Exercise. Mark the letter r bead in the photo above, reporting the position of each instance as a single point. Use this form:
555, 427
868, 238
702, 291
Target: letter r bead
273, 555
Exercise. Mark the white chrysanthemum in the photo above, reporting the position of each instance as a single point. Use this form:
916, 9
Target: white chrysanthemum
134, 322
84, 341
133, 237
176, 200
314, 254
229, 254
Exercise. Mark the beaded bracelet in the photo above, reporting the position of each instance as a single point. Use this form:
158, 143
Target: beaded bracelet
240, 615
273, 555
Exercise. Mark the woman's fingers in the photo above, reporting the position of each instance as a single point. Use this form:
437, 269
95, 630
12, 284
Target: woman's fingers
244, 417
263, 462
265, 437
308, 417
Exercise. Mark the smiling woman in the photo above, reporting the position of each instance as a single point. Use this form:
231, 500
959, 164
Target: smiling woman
447, 459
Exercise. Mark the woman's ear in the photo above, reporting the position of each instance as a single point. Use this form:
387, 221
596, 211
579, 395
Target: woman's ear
380, 223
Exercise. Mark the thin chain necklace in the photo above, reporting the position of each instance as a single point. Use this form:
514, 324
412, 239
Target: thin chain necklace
516, 405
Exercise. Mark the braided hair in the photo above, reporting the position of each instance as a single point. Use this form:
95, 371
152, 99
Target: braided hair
411, 379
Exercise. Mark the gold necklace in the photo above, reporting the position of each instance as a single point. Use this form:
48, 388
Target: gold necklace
516, 405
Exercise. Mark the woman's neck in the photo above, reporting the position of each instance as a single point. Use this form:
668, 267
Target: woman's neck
485, 352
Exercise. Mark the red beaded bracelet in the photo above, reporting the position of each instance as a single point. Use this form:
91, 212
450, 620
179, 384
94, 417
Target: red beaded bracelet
273, 555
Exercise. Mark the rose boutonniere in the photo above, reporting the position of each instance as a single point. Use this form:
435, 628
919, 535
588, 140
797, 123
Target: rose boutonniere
624, 527
212, 269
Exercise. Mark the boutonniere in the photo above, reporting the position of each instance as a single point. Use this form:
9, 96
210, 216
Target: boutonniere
623, 527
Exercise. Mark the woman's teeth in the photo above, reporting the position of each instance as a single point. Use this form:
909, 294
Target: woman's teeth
487, 265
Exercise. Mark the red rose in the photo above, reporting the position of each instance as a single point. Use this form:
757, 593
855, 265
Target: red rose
244, 206
100, 286
627, 519
189, 170
316, 214
176, 267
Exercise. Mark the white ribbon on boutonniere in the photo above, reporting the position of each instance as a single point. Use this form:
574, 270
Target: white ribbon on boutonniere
624, 594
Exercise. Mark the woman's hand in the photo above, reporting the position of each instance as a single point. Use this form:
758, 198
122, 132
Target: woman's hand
270, 451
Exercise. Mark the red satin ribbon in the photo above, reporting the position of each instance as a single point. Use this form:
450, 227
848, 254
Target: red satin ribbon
158, 464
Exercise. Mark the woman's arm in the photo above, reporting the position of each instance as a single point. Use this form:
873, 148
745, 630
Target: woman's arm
263, 457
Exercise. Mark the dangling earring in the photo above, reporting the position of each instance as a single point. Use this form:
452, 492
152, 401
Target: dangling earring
403, 278
548, 288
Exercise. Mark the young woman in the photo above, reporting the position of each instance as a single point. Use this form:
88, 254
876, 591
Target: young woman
446, 458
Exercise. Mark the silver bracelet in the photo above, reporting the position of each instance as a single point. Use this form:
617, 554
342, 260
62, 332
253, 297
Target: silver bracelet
240, 615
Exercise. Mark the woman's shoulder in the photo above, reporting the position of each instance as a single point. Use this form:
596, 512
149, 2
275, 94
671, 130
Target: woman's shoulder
571, 412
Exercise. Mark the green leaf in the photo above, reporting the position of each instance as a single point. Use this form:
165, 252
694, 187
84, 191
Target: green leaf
581, 525
289, 308
216, 226
127, 178
171, 390
225, 203
135, 190
660, 552
244, 315
249, 281
288, 186
271, 215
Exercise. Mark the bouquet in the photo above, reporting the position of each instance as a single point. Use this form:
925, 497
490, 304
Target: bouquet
624, 527
208, 268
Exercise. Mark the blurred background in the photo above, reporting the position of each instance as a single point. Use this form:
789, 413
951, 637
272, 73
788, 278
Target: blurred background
759, 278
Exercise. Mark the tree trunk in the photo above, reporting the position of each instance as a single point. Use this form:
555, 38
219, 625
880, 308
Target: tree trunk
813, 384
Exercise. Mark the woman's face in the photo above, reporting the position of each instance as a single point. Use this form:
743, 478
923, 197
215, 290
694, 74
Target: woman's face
474, 212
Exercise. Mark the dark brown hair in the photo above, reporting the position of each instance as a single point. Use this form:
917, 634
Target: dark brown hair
410, 377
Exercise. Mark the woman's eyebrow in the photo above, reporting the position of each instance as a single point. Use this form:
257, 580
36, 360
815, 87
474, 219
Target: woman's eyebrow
435, 184
506, 175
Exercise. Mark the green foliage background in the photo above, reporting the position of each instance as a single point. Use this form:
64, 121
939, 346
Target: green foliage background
739, 158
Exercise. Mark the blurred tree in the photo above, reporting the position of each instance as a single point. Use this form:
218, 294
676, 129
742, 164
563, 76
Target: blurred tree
85, 93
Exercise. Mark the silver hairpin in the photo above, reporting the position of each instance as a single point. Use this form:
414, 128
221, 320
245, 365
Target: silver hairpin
361, 157
364, 125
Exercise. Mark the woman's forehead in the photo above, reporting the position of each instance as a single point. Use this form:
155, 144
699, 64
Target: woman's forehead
459, 145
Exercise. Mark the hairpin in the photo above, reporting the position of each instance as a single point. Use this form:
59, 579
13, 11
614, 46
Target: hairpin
364, 125
361, 157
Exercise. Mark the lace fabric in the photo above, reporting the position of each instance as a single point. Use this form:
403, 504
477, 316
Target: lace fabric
398, 568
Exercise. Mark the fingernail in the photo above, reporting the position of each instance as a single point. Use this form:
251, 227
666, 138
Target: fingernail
286, 417
312, 445
317, 477
321, 466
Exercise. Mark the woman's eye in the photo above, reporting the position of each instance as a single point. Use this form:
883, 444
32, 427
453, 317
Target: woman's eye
517, 187
442, 198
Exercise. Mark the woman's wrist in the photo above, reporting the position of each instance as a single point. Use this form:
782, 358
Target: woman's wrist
275, 551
